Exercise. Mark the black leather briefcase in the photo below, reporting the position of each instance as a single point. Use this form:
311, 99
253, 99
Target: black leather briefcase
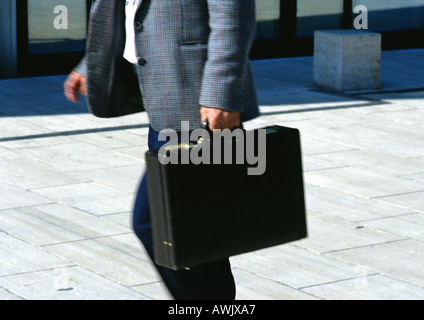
205, 212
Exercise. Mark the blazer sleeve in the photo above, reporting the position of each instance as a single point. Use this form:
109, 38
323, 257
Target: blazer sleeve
232, 29
81, 67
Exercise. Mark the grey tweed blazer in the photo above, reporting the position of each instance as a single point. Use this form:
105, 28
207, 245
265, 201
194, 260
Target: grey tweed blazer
191, 53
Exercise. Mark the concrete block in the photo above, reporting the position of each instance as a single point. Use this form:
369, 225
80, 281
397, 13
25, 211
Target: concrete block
347, 60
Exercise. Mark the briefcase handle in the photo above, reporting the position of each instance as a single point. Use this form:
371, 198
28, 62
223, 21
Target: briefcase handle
205, 126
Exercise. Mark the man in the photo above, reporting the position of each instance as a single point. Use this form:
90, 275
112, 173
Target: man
191, 58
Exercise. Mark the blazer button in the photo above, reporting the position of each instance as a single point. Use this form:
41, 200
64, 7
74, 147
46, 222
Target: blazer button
141, 61
138, 26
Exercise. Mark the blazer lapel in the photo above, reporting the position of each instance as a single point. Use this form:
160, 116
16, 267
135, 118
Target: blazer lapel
111, 83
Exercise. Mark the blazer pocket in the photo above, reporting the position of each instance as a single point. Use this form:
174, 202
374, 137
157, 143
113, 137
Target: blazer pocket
193, 59
194, 22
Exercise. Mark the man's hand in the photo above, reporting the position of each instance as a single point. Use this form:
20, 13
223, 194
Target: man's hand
220, 119
75, 84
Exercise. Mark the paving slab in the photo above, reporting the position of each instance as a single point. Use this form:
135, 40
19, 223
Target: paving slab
293, 266
254, 287
383, 162
7, 154
55, 223
367, 287
411, 200
90, 197
419, 177
31, 173
14, 197
15, 127
78, 156
350, 207
402, 260
72, 283
351, 180
154, 290
113, 139
124, 178
120, 258
327, 234
409, 226
6, 295
20, 257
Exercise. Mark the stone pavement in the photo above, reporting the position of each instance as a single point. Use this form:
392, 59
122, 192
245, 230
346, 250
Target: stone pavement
67, 183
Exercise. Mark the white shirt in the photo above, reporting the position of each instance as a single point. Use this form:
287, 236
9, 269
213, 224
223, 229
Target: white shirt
131, 7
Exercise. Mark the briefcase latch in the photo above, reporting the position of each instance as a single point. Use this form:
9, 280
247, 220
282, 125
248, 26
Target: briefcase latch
167, 243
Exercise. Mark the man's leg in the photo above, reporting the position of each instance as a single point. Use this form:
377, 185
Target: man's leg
207, 281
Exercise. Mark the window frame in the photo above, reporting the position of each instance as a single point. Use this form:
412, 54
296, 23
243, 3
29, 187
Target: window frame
289, 44
44, 63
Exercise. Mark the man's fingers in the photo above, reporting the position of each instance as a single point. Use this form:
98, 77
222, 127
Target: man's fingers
74, 84
204, 114
70, 90
71, 95
220, 119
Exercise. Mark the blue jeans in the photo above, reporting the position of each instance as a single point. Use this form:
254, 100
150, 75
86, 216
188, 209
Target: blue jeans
209, 281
